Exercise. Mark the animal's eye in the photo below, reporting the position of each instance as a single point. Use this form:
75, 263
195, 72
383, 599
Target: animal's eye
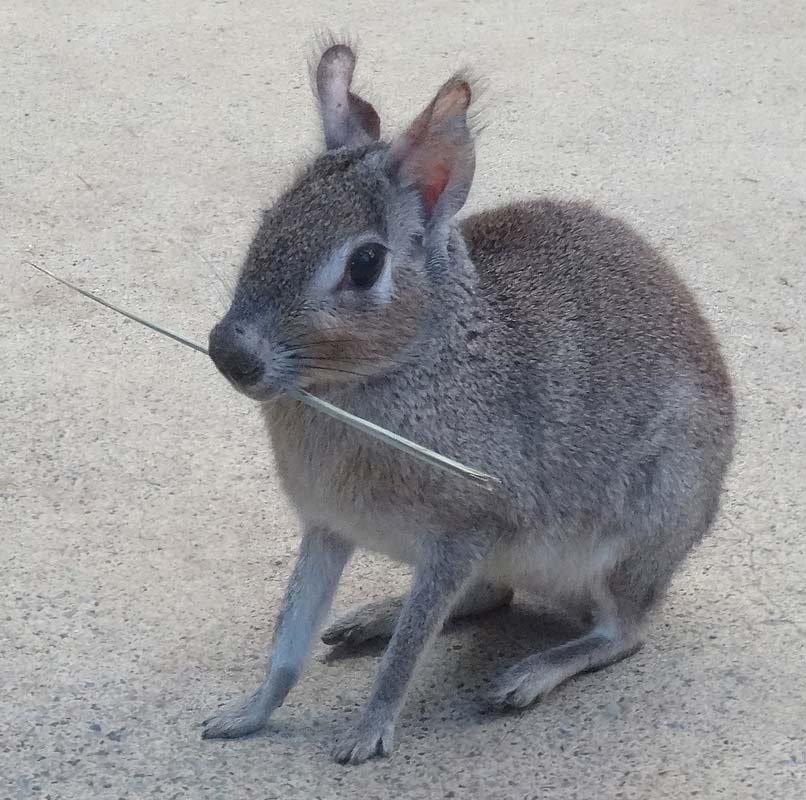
366, 264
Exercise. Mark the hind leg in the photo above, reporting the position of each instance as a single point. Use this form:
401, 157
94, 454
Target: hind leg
616, 634
535, 676
378, 620
671, 504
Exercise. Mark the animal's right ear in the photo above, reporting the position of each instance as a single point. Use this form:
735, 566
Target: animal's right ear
347, 119
436, 155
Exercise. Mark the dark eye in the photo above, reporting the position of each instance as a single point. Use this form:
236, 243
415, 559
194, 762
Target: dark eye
366, 264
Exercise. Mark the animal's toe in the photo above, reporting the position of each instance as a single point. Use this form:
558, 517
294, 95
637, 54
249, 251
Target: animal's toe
517, 689
232, 724
362, 744
342, 633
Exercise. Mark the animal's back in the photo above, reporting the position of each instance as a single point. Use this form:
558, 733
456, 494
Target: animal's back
547, 264
616, 355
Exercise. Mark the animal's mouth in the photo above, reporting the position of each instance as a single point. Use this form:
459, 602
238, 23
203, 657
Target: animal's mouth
265, 391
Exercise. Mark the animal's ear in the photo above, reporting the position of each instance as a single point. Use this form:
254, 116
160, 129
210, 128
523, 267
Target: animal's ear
347, 119
436, 154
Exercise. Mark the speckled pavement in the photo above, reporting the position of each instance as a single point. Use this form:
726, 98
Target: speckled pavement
144, 541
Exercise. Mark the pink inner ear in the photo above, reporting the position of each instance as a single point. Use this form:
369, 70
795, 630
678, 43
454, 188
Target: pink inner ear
437, 181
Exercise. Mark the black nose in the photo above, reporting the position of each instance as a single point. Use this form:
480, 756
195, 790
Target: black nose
232, 356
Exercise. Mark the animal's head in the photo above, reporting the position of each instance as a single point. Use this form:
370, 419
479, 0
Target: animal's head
336, 284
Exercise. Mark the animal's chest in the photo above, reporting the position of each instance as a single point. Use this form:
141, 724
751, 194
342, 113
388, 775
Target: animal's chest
339, 478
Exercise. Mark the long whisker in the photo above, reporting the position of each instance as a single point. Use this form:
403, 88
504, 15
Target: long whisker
336, 369
299, 346
225, 288
298, 343
299, 340
347, 359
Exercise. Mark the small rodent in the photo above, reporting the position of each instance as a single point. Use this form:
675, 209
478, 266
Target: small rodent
543, 342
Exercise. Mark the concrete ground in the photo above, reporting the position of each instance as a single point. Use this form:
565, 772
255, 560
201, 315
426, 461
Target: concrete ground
145, 543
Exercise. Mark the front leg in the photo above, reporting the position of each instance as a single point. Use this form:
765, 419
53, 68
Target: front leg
446, 570
321, 560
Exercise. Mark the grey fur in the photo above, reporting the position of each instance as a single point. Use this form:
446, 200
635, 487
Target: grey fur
310, 591
377, 620
543, 342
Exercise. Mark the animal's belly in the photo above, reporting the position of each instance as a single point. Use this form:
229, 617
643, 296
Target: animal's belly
545, 565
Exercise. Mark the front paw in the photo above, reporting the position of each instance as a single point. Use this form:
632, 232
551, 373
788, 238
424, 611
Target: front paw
243, 718
370, 738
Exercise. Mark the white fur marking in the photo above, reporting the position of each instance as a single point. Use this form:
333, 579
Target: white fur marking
331, 272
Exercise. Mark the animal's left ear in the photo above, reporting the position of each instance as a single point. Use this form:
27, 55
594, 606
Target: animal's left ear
436, 154
347, 119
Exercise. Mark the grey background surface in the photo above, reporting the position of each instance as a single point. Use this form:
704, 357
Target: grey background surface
145, 543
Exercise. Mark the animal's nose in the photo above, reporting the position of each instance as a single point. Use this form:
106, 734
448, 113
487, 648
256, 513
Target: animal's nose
233, 357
